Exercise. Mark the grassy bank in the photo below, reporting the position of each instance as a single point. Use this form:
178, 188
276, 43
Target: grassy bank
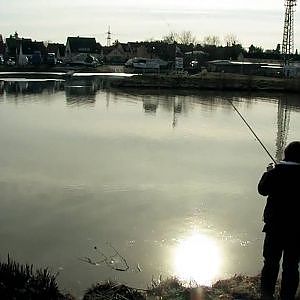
211, 81
202, 81
23, 282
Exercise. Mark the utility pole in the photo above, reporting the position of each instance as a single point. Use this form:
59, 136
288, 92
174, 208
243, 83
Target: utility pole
288, 31
283, 114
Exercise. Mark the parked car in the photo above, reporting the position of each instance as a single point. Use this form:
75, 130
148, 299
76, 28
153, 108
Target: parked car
145, 65
11, 62
84, 60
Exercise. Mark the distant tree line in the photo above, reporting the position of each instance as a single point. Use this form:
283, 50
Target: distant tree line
230, 49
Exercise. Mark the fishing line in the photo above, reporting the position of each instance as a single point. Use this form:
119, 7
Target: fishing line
257, 138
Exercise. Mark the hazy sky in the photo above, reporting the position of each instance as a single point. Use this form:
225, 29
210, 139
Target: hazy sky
258, 21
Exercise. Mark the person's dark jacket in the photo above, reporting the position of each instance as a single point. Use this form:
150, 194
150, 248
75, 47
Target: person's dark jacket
282, 186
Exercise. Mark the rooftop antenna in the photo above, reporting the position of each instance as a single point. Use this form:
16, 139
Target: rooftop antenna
288, 32
108, 39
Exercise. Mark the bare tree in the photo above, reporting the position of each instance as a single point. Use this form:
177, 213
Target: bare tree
211, 40
231, 39
170, 38
186, 38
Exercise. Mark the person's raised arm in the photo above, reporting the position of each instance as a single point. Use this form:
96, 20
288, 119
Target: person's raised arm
264, 185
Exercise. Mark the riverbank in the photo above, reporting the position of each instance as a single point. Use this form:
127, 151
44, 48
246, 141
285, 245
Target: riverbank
211, 81
19, 281
201, 81
238, 287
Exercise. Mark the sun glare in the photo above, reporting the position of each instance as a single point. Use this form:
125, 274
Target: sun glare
197, 258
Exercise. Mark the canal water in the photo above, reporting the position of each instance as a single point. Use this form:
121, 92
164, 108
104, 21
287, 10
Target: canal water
135, 185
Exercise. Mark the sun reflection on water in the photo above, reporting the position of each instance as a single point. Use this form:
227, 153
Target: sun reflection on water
197, 258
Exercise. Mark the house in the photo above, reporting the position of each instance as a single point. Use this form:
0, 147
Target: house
2, 46
228, 66
12, 46
81, 45
57, 49
118, 53
162, 50
23, 50
139, 50
31, 52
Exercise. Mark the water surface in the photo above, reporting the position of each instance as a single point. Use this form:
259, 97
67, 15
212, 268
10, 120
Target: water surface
167, 179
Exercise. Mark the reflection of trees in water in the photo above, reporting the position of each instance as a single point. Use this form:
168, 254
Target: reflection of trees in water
285, 104
150, 104
80, 95
173, 103
178, 105
78, 91
83, 90
32, 87
1, 88
19, 87
183, 101
107, 97
177, 109
283, 124
96, 83
178, 102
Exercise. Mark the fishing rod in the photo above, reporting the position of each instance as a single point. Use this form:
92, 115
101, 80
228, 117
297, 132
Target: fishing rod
257, 138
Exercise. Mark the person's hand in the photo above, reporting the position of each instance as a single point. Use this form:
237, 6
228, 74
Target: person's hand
270, 167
